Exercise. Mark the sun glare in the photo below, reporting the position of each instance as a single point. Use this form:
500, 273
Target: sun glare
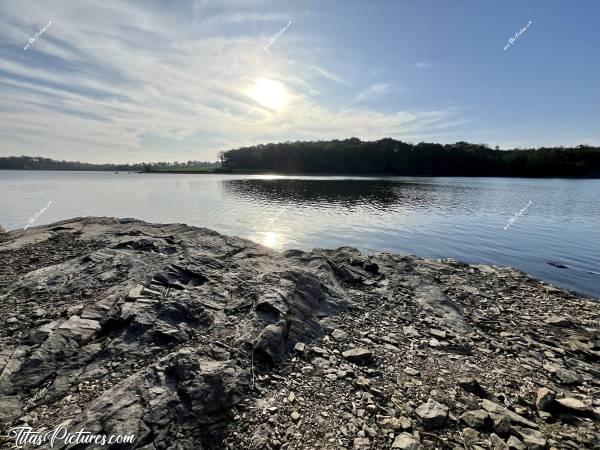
269, 93
270, 239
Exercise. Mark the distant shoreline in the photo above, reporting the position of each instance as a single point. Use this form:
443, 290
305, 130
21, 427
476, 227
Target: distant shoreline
353, 157
304, 174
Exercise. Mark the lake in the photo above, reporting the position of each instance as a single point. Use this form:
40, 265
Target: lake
465, 218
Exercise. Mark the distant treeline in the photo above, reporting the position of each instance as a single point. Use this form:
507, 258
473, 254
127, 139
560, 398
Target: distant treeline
388, 156
353, 156
39, 163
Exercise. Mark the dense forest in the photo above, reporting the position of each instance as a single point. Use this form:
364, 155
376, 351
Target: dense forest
388, 156
39, 163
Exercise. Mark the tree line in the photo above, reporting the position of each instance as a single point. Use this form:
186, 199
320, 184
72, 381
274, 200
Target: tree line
391, 157
39, 163
353, 156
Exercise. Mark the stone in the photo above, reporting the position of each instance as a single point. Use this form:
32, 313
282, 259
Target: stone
432, 414
574, 406
433, 342
411, 371
405, 441
472, 385
514, 443
492, 407
394, 424
475, 419
438, 333
545, 399
136, 292
410, 331
362, 443
358, 355
568, 377
533, 439
500, 423
320, 352
405, 423
559, 321
371, 267
80, 329
295, 416
469, 435
497, 441
300, 347
339, 335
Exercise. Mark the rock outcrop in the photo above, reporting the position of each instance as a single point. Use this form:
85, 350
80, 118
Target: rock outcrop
190, 339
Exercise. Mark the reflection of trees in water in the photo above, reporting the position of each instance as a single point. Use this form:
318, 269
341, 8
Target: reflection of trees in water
347, 193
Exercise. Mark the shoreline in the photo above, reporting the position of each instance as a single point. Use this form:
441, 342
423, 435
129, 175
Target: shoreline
570, 289
307, 174
182, 336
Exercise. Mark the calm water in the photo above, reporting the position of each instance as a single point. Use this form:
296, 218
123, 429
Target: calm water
462, 218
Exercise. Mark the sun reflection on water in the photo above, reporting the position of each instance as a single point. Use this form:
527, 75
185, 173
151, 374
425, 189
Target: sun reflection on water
270, 239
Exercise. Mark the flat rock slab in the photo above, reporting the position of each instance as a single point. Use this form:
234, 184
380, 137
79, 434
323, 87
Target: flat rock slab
358, 355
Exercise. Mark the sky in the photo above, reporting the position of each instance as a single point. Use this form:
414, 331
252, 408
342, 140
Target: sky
149, 80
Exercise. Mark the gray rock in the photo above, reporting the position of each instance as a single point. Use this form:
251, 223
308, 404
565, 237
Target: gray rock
410, 371
472, 385
394, 424
358, 355
568, 377
475, 419
574, 406
513, 417
362, 443
410, 331
448, 314
405, 441
441, 334
533, 439
339, 335
545, 399
300, 347
500, 423
559, 321
432, 414
514, 443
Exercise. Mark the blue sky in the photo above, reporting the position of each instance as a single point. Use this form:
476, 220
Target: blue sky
117, 81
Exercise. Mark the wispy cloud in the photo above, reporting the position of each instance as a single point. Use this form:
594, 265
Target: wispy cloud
327, 74
372, 91
422, 65
143, 81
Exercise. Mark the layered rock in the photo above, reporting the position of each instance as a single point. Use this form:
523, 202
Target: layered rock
190, 339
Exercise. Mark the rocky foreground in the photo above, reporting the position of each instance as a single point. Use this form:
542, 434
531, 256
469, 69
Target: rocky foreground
190, 339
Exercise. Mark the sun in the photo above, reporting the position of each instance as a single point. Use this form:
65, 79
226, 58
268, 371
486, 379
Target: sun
269, 93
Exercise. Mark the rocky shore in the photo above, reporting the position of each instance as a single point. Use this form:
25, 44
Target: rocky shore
190, 339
